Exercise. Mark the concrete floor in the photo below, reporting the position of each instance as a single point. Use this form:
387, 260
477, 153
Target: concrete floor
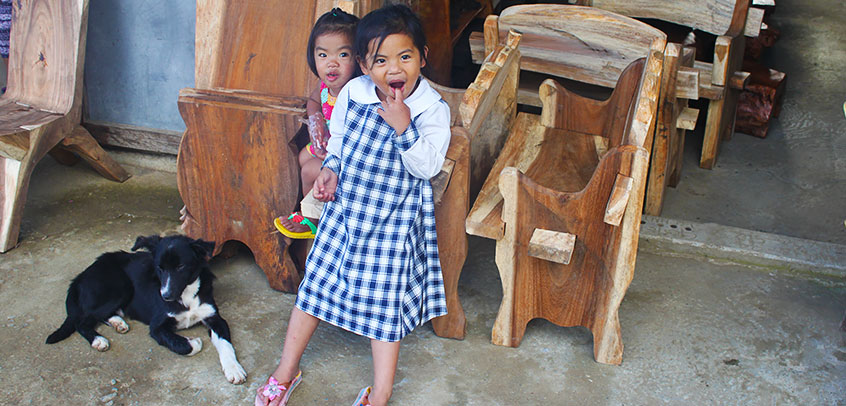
696, 331
794, 181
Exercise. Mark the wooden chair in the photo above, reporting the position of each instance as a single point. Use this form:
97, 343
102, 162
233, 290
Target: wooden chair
480, 117
721, 80
679, 83
237, 165
564, 199
41, 110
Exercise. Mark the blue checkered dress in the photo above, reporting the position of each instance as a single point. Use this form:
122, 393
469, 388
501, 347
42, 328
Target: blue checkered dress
374, 268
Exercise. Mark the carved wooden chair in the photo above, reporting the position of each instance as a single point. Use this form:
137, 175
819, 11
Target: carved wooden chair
679, 83
41, 110
722, 80
564, 199
237, 163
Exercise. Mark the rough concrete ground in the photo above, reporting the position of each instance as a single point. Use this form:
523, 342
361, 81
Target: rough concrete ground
792, 182
695, 332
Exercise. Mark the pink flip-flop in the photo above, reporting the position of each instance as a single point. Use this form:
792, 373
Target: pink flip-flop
273, 389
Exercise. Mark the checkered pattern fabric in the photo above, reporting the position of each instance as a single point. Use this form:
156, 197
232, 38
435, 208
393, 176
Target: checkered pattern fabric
374, 268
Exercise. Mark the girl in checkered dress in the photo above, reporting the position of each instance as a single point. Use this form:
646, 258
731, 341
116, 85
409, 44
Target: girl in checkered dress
374, 268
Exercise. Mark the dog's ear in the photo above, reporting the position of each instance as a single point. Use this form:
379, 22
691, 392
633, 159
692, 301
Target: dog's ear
203, 248
148, 242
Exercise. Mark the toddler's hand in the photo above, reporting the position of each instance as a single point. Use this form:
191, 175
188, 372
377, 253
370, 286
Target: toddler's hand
325, 185
395, 112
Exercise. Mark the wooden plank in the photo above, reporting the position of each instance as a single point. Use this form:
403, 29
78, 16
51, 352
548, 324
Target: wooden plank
687, 119
661, 148
481, 95
607, 43
134, 137
754, 22
484, 218
713, 16
83, 144
618, 200
552, 246
687, 83
43, 69
491, 35
237, 47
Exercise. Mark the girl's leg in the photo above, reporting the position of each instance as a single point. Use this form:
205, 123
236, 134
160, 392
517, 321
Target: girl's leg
385, 356
309, 171
300, 328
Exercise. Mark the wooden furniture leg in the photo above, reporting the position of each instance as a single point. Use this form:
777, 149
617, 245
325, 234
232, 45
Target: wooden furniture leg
450, 210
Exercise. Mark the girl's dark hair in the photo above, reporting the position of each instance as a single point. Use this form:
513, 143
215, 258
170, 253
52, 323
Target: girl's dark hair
332, 22
379, 24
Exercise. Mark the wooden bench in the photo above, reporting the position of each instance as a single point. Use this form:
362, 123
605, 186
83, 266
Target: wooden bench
41, 110
564, 199
722, 79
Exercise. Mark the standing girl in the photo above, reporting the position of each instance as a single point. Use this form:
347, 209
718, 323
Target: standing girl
374, 267
330, 57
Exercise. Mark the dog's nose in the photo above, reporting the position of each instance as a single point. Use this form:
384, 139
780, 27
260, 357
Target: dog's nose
167, 296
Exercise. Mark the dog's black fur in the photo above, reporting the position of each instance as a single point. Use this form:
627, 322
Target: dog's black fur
168, 288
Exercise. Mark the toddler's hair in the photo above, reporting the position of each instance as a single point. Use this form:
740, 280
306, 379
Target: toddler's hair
379, 24
335, 21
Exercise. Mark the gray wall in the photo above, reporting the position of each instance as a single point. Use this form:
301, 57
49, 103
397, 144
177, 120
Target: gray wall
139, 54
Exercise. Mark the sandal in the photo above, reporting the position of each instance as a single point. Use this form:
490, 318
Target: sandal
273, 389
298, 218
362, 400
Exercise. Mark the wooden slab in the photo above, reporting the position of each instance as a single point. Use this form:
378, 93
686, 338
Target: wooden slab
713, 16
606, 44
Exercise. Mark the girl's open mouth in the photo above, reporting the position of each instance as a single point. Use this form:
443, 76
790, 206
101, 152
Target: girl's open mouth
397, 84
332, 76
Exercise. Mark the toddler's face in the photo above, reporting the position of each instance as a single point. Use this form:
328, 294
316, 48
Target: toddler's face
395, 66
334, 61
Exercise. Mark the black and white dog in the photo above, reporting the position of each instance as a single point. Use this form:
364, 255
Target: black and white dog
169, 288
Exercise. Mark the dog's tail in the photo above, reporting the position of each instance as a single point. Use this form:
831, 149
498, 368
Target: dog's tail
69, 326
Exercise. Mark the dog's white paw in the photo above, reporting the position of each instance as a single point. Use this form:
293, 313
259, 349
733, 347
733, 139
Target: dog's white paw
234, 372
119, 324
196, 345
100, 343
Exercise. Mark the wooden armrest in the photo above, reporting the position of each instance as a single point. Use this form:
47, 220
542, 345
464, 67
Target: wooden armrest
554, 246
616, 206
244, 100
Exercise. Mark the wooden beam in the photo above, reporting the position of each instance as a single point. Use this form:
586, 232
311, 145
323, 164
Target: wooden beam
134, 137
687, 118
738, 80
754, 20
687, 83
554, 246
